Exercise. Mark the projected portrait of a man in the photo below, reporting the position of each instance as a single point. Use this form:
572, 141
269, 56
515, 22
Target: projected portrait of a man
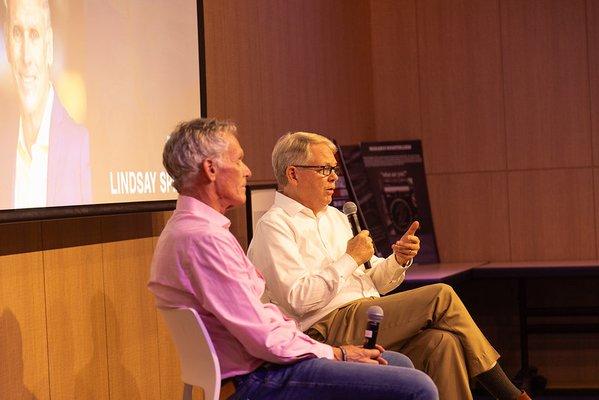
44, 153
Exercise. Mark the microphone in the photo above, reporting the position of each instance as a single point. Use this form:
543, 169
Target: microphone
375, 316
351, 212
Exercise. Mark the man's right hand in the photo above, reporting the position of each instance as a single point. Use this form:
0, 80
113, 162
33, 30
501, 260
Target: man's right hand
361, 355
360, 247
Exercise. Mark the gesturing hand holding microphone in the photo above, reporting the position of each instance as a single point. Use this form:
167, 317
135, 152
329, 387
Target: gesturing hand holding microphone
360, 247
371, 352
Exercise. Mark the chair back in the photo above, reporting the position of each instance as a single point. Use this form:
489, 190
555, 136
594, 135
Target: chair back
197, 357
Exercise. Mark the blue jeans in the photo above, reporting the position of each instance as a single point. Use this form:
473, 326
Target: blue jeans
324, 379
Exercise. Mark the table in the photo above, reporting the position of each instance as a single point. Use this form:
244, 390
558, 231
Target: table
450, 273
523, 272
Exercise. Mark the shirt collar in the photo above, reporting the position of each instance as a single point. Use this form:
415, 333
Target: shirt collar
42, 139
293, 207
196, 207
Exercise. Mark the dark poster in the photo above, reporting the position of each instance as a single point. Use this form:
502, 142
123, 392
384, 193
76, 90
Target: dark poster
388, 182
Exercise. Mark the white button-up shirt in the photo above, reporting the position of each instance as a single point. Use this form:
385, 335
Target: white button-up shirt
304, 262
31, 172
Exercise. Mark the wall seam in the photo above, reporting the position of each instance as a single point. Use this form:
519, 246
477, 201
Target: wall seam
105, 313
418, 68
507, 171
41, 233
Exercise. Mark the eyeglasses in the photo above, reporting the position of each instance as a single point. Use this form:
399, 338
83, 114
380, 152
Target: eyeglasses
324, 170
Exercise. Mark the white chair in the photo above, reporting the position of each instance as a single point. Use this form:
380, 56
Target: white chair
197, 357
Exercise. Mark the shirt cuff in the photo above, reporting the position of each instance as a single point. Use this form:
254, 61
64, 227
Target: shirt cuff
345, 266
394, 261
328, 353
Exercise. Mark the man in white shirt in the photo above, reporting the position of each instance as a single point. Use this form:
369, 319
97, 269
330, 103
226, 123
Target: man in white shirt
46, 162
314, 270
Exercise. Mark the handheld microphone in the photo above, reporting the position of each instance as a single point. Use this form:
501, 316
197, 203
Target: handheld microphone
351, 212
375, 316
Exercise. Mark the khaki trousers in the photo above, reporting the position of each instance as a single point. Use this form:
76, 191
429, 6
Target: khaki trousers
430, 325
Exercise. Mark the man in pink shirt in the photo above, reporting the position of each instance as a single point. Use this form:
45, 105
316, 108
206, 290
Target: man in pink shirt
198, 263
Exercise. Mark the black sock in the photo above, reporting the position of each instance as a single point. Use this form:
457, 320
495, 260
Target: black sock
498, 384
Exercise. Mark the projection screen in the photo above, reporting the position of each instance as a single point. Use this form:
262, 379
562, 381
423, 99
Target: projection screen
89, 91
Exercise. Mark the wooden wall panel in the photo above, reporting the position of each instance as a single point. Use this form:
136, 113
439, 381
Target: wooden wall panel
238, 225
470, 213
132, 341
281, 65
23, 340
171, 385
546, 83
596, 210
461, 86
75, 309
593, 54
395, 69
233, 76
551, 213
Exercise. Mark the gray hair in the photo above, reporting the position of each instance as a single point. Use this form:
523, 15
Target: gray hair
190, 144
294, 148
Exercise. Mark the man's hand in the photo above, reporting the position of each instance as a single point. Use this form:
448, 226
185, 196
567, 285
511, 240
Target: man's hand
360, 247
361, 355
407, 247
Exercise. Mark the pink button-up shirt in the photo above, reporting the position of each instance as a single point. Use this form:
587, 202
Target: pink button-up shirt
198, 263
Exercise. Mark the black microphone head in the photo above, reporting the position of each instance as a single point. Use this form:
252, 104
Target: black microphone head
375, 313
350, 208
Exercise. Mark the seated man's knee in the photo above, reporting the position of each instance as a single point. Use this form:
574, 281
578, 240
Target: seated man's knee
397, 359
426, 387
447, 342
444, 290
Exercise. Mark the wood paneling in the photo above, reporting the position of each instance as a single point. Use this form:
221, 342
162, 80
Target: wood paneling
75, 309
23, 340
238, 225
20, 238
283, 65
159, 220
395, 69
461, 86
171, 385
546, 83
551, 213
596, 210
470, 213
133, 359
593, 54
